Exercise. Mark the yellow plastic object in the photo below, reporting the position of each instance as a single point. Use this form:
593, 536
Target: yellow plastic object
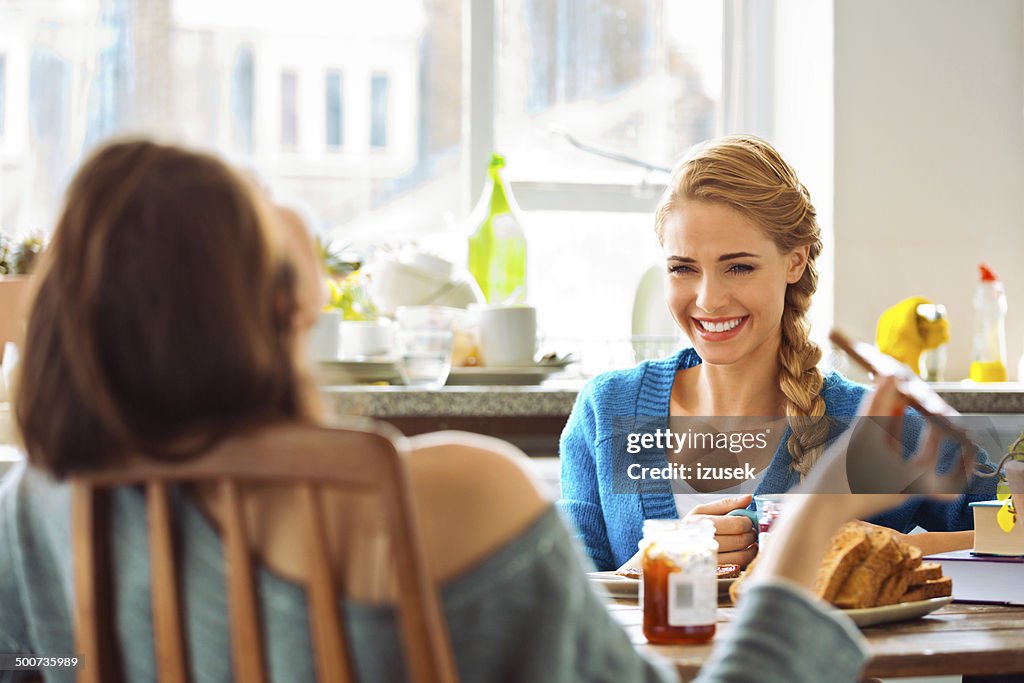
1006, 517
904, 335
992, 371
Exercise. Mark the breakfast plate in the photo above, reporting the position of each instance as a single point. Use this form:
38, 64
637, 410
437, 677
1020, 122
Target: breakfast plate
534, 373
873, 616
624, 587
341, 372
615, 585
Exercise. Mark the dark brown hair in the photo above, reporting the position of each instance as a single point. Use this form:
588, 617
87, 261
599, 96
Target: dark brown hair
161, 317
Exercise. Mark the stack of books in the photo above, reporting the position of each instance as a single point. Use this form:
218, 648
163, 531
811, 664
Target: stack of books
989, 538
994, 571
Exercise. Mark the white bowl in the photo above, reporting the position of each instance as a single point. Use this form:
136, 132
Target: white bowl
393, 283
432, 266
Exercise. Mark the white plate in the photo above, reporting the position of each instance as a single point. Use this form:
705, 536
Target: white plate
617, 586
873, 616
623, 587
513, 374
334, 372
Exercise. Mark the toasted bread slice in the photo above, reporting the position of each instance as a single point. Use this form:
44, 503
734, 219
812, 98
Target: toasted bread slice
914, 558
848, 549
928, 571
862, 587
736, 589
935, 588
893, 588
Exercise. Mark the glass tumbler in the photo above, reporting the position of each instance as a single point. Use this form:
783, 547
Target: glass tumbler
424, 340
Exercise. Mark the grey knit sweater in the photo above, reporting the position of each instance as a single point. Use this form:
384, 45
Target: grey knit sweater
526, 613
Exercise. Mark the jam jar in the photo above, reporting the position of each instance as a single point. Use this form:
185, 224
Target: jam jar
679, 594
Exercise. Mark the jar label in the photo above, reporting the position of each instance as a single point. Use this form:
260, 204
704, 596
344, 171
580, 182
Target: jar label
692, 599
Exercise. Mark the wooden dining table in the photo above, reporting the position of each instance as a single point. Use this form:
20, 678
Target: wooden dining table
958, 639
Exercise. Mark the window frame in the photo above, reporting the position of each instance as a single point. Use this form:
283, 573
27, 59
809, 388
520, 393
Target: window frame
747, 104
3, 94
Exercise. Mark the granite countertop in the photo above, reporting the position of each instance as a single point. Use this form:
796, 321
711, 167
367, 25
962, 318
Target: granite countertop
556, 398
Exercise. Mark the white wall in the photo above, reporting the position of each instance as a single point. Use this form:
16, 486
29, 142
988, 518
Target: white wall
803, 130
929, 159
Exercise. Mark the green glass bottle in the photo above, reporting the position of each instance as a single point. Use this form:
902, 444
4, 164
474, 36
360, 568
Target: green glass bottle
497, 245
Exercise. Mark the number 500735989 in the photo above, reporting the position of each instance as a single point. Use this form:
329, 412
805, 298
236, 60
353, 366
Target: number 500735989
15, 662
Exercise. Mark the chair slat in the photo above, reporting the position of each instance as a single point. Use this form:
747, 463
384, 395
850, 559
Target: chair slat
333, 662
424, 632
167, 632
244, 618
87, 622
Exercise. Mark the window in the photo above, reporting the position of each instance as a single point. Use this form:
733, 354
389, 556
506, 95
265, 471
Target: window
637, 79
379, 111
3, 90
231, 76
335, 119
289, 109
243, 102
644, 79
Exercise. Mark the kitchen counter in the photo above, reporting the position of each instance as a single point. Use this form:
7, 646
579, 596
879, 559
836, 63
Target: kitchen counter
556, 398
999, 398
532, 417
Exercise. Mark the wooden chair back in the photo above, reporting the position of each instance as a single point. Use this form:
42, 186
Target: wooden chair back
312, 459
14, 291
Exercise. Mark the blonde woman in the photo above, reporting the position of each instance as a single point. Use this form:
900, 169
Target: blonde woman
740, 239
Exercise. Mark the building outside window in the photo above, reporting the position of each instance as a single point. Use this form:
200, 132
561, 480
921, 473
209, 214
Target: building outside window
379, 86
335, 113
289, 109
243, 101
3, 83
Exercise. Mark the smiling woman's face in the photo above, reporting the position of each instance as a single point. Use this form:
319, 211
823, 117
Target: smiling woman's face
726, 281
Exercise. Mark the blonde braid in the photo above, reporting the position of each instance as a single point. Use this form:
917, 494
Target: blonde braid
799, 376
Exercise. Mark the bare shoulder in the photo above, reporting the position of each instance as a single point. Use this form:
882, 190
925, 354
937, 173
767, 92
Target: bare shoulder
472, 455
472, 494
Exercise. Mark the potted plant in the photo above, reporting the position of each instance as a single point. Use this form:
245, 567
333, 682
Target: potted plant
17, 261
1013, 468
346, 283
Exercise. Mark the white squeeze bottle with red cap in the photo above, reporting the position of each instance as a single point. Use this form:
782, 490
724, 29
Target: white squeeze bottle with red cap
988, 359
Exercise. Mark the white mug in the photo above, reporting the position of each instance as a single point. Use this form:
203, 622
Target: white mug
325, 336
508, 335
365, 338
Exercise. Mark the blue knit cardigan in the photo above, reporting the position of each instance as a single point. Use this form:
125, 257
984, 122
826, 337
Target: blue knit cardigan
609, 517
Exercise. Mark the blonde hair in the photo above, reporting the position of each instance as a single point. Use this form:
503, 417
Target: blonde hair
748, 174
